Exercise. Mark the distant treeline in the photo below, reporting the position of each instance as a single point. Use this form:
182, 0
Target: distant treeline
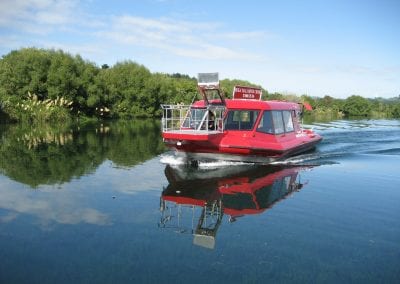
51, 85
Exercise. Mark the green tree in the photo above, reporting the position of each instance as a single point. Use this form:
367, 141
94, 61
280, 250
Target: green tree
126, 88
396, 110
47, 75
22, 71
185, 90
276, 96
356, 106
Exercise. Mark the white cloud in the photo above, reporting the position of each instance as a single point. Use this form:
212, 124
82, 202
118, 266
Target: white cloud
51, 207
65, 22
244, 35
213, 52
93, 49
198, 40
150, 25
37, 16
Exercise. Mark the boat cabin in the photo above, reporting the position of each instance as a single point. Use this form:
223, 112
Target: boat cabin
212, 117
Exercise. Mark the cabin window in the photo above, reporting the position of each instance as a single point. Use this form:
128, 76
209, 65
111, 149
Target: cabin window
276, 122
287, 120
241, 119
266, 124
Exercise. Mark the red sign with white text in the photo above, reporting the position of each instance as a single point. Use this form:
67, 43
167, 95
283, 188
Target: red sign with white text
246, 93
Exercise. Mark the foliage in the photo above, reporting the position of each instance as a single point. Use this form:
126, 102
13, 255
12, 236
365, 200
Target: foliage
124, 90
396, 110
357, 106
56, 153
127, 90
33, 109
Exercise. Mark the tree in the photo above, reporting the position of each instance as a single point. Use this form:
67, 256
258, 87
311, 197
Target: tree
128, 89
125, 85
22, 71
356, 106
396, 110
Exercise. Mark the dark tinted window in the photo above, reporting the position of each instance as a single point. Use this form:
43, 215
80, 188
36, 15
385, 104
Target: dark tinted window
241, 119
266, 124
276, 122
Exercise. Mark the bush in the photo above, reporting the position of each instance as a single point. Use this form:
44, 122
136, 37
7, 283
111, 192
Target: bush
32, 109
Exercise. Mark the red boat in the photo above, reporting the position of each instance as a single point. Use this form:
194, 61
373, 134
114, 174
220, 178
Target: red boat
244, 128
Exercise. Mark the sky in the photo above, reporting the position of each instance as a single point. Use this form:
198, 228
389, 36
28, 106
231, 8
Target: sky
322, 47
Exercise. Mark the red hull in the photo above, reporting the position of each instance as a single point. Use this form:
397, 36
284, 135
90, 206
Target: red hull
230, 147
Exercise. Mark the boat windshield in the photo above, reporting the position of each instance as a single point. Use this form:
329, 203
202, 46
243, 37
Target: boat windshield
276, 122
241, 119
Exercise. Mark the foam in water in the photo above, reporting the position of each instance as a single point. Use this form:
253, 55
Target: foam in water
220, 164
176, 161
306, 159
172, 160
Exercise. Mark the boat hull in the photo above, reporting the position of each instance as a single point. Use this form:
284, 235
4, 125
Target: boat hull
202, 152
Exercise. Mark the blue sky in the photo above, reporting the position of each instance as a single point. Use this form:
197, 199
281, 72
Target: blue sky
337, 48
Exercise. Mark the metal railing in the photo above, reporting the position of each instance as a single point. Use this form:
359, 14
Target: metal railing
187, 118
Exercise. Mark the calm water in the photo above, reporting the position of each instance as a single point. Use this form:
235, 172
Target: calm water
105, 203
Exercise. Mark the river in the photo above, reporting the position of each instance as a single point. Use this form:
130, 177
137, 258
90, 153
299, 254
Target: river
106, 203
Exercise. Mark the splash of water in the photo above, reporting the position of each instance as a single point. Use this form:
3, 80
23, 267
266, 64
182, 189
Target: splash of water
176, 161
172, 160
221, 164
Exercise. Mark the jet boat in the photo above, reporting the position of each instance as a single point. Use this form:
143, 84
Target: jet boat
244, 128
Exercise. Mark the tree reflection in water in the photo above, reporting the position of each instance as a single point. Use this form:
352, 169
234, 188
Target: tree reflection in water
54, 154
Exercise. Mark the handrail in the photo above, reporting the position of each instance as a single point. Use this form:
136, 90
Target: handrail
186, 118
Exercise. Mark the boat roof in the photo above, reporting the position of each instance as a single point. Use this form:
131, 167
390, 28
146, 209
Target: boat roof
252, 104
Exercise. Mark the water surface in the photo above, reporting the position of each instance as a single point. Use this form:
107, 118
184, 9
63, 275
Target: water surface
104, 203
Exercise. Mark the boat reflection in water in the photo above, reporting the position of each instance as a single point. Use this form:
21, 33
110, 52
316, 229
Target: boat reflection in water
195, 200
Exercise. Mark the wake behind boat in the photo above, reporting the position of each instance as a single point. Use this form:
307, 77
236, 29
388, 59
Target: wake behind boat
244, 128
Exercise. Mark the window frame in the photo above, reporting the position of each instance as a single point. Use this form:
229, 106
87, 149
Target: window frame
256, 114
274, 122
